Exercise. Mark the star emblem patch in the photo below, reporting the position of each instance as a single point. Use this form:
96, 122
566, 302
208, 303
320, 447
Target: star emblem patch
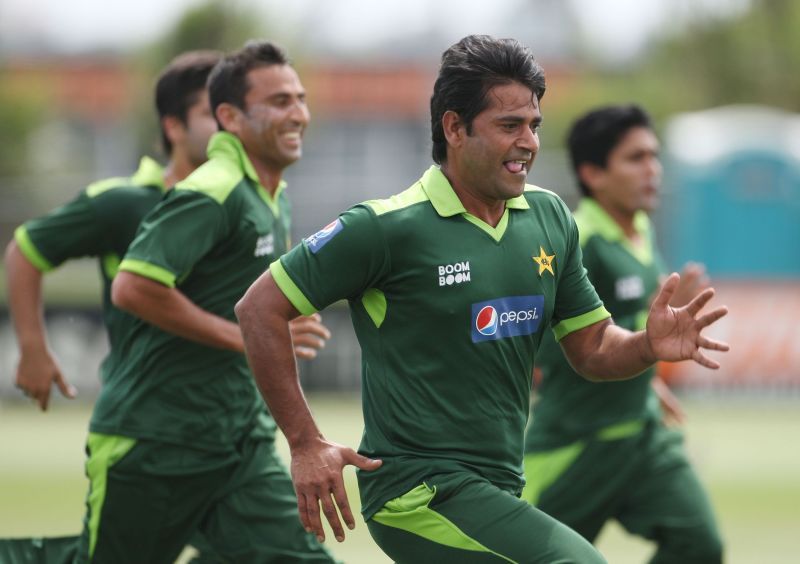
544, 261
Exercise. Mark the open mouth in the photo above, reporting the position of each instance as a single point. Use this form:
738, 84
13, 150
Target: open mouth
516, 166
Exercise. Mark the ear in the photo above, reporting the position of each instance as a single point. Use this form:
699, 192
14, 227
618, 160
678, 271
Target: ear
230, 117
454, 129
592, 176
174, 129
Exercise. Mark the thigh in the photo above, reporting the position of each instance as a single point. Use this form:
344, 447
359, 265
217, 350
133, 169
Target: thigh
669, 505
255, 519
581, 484
464, 518
135, 514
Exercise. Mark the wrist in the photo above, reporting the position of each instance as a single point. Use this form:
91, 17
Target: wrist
646, 352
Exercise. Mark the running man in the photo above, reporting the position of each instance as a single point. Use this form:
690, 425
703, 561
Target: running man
180, 440
601, 452
101, 222
451, 285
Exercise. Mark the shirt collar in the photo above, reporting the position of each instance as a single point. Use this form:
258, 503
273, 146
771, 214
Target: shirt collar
444, 199
594, 214
225, 145
149, 173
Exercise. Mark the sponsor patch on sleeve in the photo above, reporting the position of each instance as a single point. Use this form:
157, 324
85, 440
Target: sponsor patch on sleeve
319, 239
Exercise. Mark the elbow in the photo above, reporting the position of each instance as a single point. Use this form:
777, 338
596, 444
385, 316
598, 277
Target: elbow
244, 306
121, 293
12, 251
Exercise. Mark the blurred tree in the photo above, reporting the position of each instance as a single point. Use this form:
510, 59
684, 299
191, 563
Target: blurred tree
20, 113
752, 58
215, 24
749, 57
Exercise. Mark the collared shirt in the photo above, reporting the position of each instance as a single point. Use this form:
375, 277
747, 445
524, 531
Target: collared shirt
568, 407
101, 222
449, 312
210, 238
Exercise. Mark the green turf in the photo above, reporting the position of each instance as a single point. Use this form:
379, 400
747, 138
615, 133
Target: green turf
748, 455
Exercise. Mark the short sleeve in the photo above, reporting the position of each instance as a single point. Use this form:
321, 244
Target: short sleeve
341, 261
577, 304
69, 231
174, 236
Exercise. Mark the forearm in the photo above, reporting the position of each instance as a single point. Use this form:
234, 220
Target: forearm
264, 315
25, 300
170, 310
611, 353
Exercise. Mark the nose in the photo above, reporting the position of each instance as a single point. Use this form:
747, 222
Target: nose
299, 113
654, 167
529, 140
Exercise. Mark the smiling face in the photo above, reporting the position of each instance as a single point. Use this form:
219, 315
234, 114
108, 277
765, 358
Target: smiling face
275, 116
631, 179
491, 161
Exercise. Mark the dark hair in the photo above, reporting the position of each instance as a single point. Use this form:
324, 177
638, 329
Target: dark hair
471, 68
594, 135
180, 84
228, 82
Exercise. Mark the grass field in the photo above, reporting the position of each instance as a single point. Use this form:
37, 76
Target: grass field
747, 453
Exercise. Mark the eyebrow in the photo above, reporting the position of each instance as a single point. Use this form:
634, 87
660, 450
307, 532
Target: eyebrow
519, 119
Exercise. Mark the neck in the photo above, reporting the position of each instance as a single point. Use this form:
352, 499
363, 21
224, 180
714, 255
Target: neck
268, 175
623, 218
178, 168
487, 210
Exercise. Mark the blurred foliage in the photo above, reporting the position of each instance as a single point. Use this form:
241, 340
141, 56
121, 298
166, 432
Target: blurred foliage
751, 58
20, 113
215, 24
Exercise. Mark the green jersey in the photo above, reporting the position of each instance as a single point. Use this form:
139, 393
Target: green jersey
210, 237
568, 407
449, 312
100, 222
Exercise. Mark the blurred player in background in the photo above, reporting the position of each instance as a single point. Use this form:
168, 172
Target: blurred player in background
180, 439
101, 222
596, 452
451, 285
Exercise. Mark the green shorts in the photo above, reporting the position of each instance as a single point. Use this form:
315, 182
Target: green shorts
643, 480
147, 499
463, 518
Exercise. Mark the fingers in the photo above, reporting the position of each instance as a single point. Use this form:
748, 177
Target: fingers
305, 353
711, 317
329, 509
699, 301
713, 345
312, 516
43, 399
703, 360
307, 340
340, 497
311, 325
67, 389
362, 462
667, 290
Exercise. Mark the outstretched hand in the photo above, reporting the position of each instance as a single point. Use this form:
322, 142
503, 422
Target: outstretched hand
675, 334
317, 476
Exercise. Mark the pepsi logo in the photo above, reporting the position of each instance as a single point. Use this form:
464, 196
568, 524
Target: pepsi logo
510, 316
319, 239
327, 230
486, 321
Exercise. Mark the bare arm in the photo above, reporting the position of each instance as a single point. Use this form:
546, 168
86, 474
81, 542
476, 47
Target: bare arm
603, 351
264, 314
169, 310
37, 369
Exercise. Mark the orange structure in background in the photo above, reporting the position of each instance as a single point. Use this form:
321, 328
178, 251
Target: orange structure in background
762, 330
